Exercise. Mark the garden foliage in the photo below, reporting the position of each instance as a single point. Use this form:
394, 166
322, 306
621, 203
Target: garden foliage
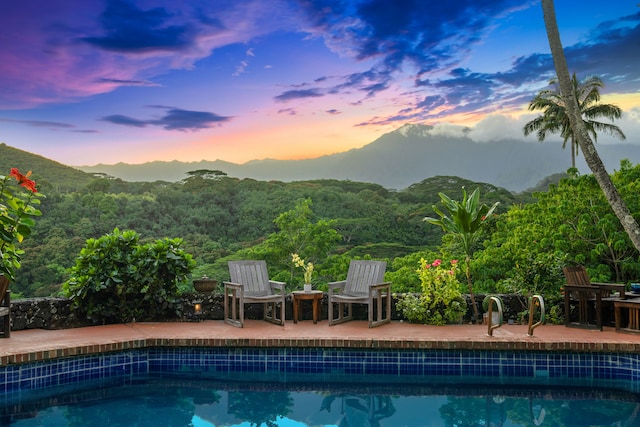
569, 224
440, 302
18, 200
118, 279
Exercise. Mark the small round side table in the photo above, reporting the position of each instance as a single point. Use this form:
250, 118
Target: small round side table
314, 296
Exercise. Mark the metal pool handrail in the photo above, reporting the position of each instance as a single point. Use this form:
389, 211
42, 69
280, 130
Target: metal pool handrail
532, 312
490, 315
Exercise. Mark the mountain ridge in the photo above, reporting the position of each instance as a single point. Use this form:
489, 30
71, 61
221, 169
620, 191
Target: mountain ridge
398, 159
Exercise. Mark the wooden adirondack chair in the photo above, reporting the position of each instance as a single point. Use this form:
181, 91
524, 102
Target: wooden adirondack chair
588, 296
250, 284
5, 308
364, 285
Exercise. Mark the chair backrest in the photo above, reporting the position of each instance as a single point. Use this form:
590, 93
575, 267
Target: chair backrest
252, 275
363, 274
576, 276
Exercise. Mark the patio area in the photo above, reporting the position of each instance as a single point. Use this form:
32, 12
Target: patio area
38, 344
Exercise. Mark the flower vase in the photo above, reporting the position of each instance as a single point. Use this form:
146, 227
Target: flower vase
307, 287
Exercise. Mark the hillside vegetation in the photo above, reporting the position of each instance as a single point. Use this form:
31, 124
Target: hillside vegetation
216, 215
47, 173
523, 248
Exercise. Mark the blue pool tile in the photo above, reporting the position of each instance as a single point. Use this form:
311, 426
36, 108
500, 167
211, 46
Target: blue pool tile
358, 364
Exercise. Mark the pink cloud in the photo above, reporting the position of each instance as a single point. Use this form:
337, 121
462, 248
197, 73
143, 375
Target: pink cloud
47, 58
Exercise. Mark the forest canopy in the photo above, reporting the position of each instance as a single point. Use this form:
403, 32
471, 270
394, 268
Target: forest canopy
528, 240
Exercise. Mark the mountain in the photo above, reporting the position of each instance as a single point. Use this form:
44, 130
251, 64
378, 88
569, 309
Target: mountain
397, 160
63, 177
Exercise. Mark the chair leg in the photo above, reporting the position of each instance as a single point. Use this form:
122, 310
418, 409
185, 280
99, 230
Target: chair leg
388, 318
270, 312
282, 315
241, 313
341, 316
330, 314
6, 323
231, 303
7, 326
226, 305
382, 316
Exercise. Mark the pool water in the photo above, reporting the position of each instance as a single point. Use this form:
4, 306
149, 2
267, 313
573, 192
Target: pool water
184, 401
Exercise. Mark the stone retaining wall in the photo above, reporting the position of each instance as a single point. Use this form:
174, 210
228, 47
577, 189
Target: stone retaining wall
55, 313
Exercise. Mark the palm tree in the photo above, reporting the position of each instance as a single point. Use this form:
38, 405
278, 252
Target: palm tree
556, 120
579, 128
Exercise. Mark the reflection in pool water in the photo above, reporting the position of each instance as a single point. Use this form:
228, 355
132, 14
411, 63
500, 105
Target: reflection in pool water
205, 403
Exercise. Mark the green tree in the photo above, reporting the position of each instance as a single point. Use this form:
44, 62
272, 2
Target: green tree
463, 223
206, 174
298, 234
570, 223
403, 275
116, 279
555, 119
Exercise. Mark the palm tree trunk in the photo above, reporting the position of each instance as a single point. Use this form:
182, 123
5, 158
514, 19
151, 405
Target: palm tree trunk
584, 141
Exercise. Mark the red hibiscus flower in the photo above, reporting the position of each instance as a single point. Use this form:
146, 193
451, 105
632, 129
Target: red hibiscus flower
24, 180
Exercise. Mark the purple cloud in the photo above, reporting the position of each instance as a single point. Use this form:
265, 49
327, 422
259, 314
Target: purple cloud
298, 94
129, 29
175, 119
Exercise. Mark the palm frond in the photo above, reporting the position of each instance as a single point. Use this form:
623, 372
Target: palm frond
554, 118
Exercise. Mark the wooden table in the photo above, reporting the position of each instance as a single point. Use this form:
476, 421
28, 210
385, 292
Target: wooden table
633, 309
314, 296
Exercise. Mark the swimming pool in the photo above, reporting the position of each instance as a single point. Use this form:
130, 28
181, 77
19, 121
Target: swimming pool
178, 400
374, 374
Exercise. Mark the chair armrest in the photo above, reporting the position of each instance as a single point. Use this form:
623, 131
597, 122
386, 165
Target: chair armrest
234, 286
377, 289
333, 286
610, 286
582, 288
277, 286
619, 287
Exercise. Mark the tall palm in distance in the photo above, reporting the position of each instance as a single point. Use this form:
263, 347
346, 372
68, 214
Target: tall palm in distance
556, 120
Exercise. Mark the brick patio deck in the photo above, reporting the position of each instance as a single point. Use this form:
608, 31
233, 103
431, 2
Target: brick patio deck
36, 344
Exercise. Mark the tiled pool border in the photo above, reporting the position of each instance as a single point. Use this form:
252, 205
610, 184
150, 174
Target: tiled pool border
328, 364
346, 343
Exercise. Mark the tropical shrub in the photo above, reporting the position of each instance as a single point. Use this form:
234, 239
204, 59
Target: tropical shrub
117, 279
464, 221
441, 301
17, 217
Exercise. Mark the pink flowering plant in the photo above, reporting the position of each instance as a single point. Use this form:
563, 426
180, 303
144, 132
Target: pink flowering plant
441, 301
18, 198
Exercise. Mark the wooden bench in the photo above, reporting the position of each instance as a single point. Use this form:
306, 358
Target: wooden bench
632, 306
5, 308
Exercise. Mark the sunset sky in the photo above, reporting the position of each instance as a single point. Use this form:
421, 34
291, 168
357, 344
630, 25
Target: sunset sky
84, 82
